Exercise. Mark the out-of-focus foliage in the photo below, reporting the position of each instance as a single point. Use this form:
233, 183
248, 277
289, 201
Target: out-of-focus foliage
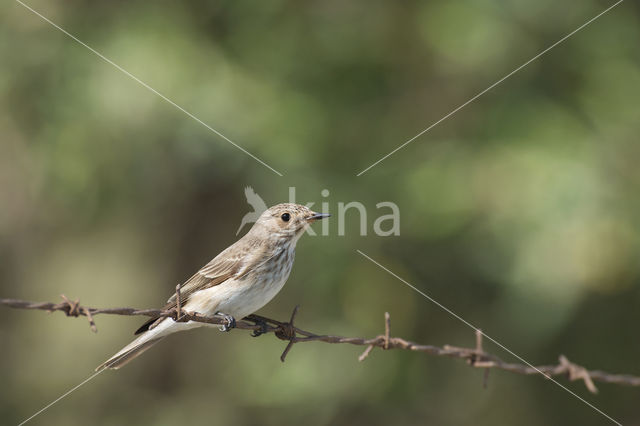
520, 213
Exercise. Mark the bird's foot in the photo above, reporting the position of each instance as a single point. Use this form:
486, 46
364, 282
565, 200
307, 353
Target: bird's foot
230, 322
264, 327
259, 321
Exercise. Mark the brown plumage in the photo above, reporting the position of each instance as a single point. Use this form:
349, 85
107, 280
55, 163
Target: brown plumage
240, 280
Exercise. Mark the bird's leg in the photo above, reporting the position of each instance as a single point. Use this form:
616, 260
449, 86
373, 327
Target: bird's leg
258, 320
230, 322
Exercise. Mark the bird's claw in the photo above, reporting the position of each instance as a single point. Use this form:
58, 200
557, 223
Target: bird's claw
230, 322
264, 328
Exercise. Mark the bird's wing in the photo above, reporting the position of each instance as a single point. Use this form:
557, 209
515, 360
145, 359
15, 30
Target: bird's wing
224, 266
227, 264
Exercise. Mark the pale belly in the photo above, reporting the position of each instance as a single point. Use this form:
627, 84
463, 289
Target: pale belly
237, 298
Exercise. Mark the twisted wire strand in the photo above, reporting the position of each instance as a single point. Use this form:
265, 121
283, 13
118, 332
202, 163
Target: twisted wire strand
475, 357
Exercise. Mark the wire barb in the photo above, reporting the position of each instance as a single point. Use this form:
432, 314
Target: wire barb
287, 331
387, 329
576, 372
178, 303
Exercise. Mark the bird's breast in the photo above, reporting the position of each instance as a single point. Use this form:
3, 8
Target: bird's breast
275, 270
258, 286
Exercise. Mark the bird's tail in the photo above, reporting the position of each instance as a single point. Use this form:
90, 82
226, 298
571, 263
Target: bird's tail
128, 353
141, 344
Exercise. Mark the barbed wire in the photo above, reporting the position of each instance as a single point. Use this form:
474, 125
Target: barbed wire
475, 357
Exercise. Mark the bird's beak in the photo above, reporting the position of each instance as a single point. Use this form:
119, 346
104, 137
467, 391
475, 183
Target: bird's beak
317, 216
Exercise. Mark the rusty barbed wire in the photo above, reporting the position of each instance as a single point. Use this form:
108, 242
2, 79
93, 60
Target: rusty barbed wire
475, 357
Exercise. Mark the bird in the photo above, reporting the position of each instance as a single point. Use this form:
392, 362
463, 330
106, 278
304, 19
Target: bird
237, 282
258, 205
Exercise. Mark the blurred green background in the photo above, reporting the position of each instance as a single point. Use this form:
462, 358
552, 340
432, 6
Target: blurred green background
521, 212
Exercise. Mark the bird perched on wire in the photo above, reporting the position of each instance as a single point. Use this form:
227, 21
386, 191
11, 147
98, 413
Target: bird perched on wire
239, 281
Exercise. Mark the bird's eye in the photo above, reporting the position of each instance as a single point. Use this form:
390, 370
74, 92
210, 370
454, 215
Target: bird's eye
285, 217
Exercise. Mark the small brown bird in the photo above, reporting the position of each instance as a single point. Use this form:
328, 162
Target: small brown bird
237, 282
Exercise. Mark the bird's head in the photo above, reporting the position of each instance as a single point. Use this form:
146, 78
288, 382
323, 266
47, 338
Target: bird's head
286, 220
